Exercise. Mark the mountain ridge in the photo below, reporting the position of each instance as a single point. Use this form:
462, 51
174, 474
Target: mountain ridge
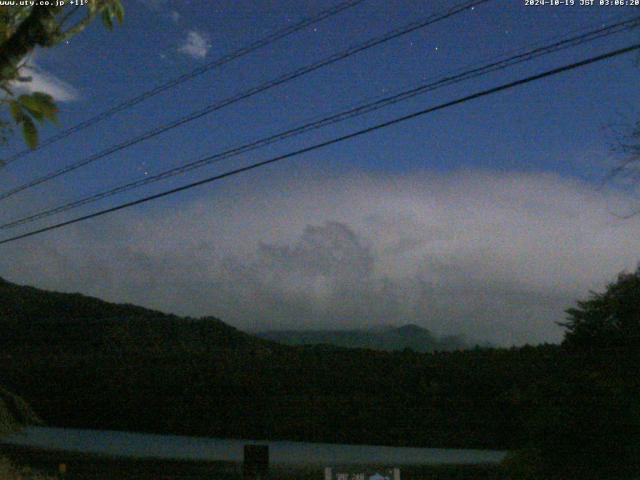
386, 338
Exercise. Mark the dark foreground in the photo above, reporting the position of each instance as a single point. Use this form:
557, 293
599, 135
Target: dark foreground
84, 467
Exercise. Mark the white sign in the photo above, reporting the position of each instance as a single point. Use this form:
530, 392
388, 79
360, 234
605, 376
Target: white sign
341, 474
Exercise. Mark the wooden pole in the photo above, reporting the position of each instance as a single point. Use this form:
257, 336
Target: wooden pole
256, 462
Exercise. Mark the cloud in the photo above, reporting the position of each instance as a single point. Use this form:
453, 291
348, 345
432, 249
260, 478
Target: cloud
196, 45
494, 256
42, 81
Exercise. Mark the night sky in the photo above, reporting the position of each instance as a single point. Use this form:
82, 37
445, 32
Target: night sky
487, 219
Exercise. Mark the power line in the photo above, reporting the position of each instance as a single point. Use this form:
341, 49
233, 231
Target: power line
252, 47
333, 141
248, 93
362, 109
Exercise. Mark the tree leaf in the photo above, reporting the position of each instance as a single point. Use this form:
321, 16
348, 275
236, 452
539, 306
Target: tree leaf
118, 10
107, 18
33, 106
43, 98
30, 132
16, 111
47, 106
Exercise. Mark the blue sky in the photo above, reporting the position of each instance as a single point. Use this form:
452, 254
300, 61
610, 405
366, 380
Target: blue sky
161, 40
553, 133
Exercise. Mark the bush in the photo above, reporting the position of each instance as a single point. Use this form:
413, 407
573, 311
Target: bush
10, 472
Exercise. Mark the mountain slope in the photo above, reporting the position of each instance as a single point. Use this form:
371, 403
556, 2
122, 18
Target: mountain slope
388, 339
77, 323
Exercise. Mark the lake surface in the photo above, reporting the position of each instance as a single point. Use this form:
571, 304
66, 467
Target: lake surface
172, 447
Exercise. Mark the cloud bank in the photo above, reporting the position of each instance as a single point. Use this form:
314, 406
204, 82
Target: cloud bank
494, 256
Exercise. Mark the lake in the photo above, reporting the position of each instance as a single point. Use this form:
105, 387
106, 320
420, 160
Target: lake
173, 447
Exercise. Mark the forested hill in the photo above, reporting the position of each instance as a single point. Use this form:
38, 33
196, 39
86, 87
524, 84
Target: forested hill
29, 303
82, 362
52, 320
85, 363
412, 337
